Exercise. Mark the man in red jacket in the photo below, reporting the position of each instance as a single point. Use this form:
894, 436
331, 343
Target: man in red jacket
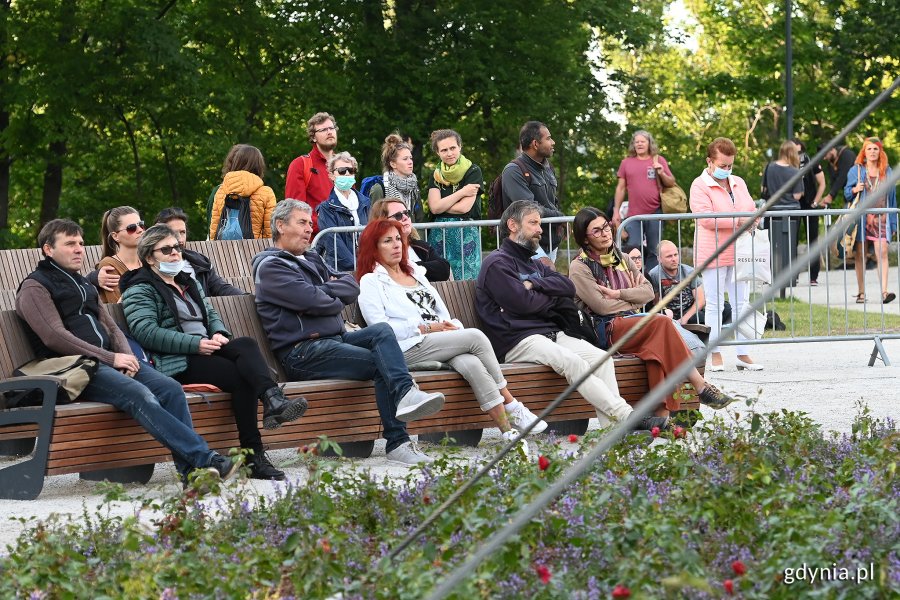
307, 177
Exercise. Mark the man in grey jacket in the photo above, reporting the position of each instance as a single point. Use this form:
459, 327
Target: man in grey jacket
300, 301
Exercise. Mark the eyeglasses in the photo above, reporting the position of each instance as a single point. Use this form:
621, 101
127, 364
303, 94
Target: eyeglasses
326, 129
598, 231
398, 216
132, 228
345, 171
636, 257
168, 250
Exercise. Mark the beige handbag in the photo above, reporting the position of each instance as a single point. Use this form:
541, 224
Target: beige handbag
73, 372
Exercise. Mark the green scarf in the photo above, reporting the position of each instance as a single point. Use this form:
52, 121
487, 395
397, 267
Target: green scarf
445, 175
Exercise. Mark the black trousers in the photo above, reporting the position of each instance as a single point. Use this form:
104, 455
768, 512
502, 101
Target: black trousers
812, 235
238, 368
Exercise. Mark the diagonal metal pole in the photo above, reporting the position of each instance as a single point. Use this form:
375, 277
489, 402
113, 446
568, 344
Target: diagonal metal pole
635, 417
647, 404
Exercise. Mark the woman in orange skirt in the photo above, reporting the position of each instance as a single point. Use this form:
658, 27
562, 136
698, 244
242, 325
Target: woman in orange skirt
610, 287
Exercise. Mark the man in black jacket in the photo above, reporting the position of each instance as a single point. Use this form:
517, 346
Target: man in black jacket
840, 161
64, 317
515, 297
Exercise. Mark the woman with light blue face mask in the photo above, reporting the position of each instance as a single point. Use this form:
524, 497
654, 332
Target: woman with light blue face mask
718, 190
169, 315
344, 207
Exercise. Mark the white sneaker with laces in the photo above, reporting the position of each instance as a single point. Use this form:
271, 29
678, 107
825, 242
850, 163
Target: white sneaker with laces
416, 404
520, 418
408, 454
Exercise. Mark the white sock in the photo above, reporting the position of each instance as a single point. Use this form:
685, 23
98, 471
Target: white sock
512, 406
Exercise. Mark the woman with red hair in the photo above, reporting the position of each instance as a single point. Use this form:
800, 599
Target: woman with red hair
866, 177
394, 290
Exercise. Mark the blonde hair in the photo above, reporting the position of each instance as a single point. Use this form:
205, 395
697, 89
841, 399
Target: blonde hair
788, 153
392, 146
379, 210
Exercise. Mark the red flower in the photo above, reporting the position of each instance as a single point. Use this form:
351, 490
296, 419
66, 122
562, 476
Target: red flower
426, 499
304, 449
543, 572
729, 586
620, 591
325, 545
678, 431
573, 438
739, 568
655, 432
543, 462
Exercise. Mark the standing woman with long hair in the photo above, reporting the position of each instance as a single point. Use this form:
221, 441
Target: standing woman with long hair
776, 174
120, 232
244, 181
866, 177
454, 194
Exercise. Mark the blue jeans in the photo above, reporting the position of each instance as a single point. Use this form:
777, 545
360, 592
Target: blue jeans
370, 353
158, 404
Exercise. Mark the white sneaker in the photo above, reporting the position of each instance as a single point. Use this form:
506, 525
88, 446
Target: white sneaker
416, 404
520, 418
408, 454
512, 434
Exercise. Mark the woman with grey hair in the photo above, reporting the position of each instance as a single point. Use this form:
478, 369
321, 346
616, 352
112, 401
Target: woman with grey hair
170, 316
642, 174
344, 207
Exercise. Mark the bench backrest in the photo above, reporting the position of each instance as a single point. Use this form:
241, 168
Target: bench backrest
15, 350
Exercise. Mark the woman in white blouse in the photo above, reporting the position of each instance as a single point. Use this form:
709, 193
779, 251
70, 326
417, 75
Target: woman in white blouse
395, 291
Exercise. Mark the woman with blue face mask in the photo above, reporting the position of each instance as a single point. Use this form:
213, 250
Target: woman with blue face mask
169, 315
717, 190
344, 207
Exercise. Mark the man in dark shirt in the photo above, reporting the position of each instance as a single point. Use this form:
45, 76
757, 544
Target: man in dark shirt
813, 189
530, 177
63, 313
840, 161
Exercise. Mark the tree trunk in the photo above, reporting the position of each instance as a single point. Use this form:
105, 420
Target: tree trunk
53, 177
135, 156
5, 162
170, 166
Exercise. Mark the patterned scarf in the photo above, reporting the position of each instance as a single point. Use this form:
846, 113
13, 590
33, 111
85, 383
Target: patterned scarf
446, 175
609, 270
405, 187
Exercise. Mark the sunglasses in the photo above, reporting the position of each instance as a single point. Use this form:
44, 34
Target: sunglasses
133, 227
345, 171
398, 216
168, 250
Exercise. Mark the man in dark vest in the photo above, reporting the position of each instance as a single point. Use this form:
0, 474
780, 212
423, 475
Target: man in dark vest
62, 310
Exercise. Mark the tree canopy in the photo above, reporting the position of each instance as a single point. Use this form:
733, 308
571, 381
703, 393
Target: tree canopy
104, 104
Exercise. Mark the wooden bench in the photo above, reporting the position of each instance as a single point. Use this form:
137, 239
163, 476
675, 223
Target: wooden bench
98, 441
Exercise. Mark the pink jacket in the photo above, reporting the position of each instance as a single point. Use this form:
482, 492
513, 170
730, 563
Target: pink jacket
707, 196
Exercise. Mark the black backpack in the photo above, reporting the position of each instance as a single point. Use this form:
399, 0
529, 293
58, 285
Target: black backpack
495, 192
234, 222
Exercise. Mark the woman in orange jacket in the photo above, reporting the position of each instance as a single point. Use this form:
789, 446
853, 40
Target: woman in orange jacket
244, 184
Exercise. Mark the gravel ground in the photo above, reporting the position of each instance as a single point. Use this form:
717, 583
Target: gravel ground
825, 380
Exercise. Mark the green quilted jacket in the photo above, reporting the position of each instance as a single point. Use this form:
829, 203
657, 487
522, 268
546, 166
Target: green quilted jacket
149, 306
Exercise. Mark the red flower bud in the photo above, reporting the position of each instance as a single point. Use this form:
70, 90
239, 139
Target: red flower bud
304, 449
679, 431
655, 432
573, 438
543, 572
739, 568
620, 591
543, 462
426, 499
729, 586
325, 545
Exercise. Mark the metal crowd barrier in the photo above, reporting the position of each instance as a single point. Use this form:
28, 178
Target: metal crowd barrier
836, 282
566, 245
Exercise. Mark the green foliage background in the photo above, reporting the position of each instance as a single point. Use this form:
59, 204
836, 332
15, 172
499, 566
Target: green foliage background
103, 104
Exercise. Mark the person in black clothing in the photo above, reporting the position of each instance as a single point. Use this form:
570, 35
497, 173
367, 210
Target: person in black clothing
840, 160
813, 189
198, 265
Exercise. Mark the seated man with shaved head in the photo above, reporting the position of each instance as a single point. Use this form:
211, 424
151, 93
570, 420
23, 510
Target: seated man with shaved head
687, 307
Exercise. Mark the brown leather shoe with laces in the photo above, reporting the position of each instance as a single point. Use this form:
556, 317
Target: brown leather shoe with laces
714, 398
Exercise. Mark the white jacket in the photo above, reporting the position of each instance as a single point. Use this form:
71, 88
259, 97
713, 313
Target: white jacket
383, 300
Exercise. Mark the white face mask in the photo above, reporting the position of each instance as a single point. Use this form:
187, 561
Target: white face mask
170, 268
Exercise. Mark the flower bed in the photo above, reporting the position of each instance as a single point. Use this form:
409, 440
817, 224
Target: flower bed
730, 510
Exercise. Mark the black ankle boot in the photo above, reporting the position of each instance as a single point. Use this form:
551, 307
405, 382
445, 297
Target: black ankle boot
278, 409
262, 468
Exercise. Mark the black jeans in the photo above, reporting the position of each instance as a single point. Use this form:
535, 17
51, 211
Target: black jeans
238, 368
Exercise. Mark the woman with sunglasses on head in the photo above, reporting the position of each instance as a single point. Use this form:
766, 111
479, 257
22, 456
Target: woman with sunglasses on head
454, 194
170, 316
611, 287
344, 207
419, 251
393, 290
119, 234
866, 177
